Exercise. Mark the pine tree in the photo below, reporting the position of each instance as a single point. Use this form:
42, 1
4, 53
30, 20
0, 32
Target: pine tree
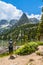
40, 27
41, 23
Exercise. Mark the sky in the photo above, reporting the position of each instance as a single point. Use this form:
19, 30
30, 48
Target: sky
10, 9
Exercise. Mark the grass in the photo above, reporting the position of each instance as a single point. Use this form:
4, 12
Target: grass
39, 43
4, 54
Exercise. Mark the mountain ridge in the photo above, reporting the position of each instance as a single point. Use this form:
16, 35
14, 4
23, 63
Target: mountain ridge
23, 20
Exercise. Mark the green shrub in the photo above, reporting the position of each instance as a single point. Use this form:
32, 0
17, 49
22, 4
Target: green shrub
33, 44
27, 48
40, 43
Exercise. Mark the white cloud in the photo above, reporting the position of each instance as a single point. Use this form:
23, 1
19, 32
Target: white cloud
34, 16
8, 11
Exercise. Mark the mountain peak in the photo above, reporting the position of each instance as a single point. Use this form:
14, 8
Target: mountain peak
23, 20
24, 15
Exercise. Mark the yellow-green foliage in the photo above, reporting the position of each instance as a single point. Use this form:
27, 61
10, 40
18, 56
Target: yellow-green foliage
27, 48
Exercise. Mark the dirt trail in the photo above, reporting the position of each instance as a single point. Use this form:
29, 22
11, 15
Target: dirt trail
22, 60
